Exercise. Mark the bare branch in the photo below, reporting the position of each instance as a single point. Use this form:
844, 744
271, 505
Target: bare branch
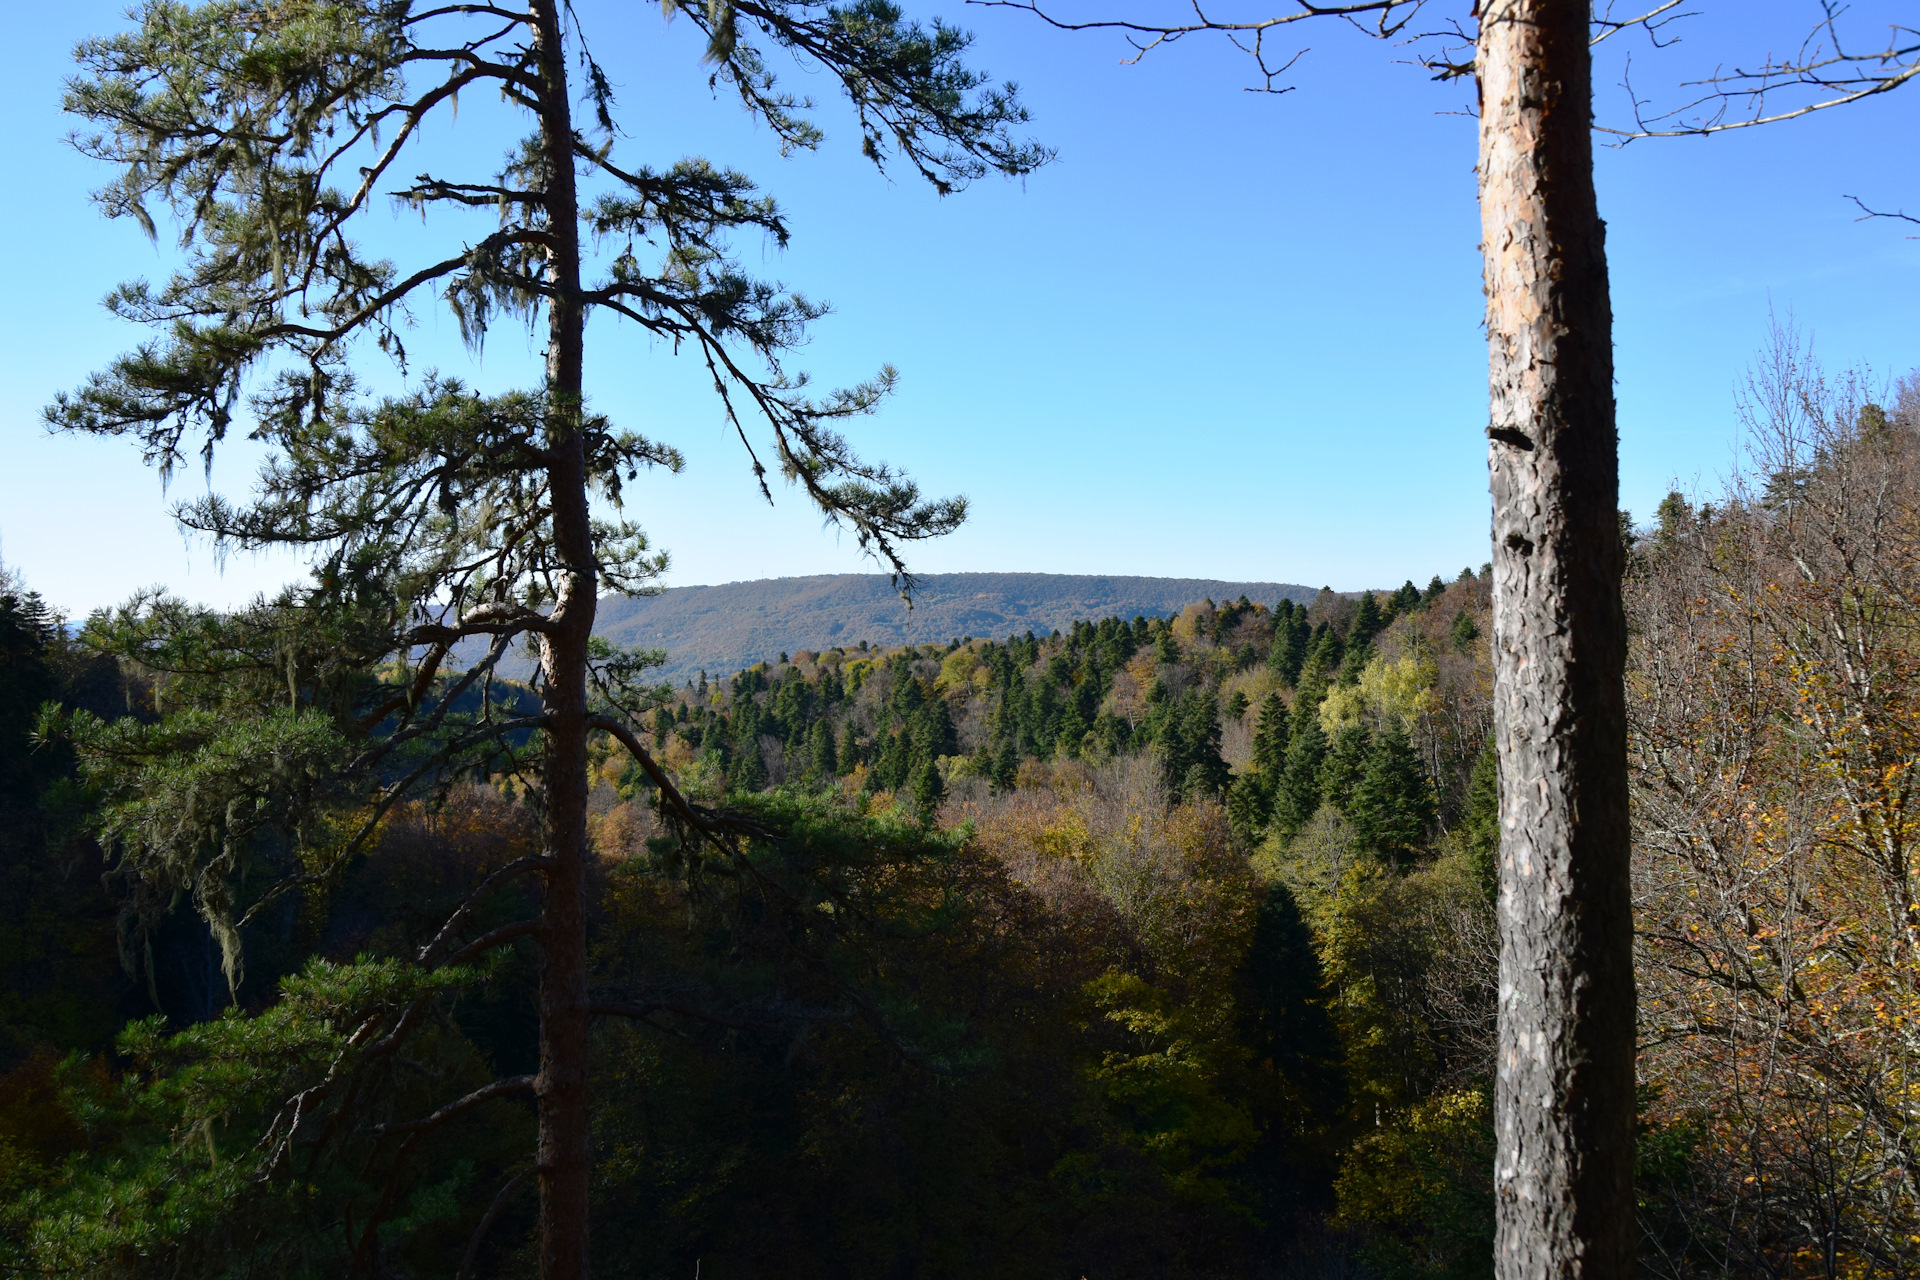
486, 1220
644, 1013
460, 1106
1867, 214
701, 819
488, 941
444, 939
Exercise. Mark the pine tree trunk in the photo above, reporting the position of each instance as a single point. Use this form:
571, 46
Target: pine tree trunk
564, 1016
1564, 1098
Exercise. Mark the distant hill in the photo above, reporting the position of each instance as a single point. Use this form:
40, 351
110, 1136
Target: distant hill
725, 628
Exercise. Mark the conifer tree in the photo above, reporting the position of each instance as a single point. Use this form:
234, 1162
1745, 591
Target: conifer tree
1391, 805
1270, 736
849, 753
1298, 795
271, 131
928, 790
1367, 622
825, 760
1166, 648
1345, 761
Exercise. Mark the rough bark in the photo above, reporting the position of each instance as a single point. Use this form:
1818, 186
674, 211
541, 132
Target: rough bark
564, 1005
1564, 1098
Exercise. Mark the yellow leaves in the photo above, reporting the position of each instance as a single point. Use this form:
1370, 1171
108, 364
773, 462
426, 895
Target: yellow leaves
1402, 689
1068, 838
957, 672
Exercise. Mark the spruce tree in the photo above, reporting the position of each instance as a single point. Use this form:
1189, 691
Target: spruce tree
271, 131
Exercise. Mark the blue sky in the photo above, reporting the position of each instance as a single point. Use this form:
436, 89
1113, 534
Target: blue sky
1226, 335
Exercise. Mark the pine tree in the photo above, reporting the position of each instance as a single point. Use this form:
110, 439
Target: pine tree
271, 132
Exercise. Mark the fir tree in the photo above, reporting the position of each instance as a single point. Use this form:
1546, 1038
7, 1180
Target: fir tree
1346, 759
849, 754
1391, 805
1270, 737
1367, 621
928, 790
1480, 823
1298, 795
1463, 632
825, 760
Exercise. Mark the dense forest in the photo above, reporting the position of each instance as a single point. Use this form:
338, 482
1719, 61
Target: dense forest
1145, 948
399, 924
1149, 947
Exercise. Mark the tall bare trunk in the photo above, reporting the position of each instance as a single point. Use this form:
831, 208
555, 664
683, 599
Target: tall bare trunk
1564, 1101
564, 1017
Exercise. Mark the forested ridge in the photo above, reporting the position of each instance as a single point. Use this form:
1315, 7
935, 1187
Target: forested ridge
736, 624
400, 923
1147, 947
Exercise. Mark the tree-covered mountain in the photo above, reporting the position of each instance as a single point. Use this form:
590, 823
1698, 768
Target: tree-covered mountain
728, 627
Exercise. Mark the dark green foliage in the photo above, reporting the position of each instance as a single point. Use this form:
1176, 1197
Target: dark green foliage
1404, 600
61, 982
1480, 824
1464, 631
1368, 621
1291, 638
1391, 805
1190, 747
1270, 736
1345, 761
1299, 795
1288, 1025
928, 790
823, 759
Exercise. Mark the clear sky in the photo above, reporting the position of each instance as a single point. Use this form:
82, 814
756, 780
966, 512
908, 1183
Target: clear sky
1226, 335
